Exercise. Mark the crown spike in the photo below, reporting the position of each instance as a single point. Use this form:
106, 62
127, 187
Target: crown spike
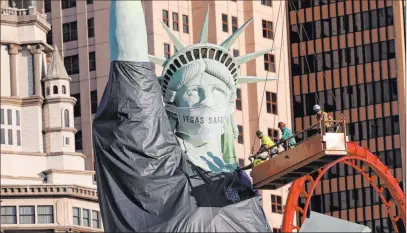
204, 31
252, 79
231, 39
157, 60
248, 57
177, 43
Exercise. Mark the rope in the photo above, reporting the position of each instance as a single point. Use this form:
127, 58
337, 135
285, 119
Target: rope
305, 32
265, 82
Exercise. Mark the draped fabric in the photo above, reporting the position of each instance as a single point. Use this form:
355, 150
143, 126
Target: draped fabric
144, 180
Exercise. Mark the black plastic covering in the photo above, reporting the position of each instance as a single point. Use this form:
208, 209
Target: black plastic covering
144, 180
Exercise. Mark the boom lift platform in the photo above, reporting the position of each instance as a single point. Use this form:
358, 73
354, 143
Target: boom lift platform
309, 155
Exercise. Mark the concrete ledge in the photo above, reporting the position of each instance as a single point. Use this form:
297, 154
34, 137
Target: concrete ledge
60, 129
47, 228
61, 153
22, 102
74, 191
21, 178
22, 153
47, 47
78, 172
67, 99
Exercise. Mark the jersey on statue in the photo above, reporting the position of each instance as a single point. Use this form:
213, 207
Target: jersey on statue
171, 166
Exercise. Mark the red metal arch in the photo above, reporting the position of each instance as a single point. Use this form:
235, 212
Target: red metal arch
356, 152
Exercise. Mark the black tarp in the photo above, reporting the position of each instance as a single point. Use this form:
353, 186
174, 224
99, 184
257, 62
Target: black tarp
145, 182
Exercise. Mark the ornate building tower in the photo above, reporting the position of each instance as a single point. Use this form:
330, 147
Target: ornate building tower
44, 185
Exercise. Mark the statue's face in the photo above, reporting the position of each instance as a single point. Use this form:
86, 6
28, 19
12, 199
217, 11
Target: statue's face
204, 89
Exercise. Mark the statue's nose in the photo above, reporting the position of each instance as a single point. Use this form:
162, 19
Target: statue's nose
208, 101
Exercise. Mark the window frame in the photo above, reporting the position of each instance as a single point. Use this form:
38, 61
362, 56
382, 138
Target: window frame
276, 204
91, 27
87, 218
20, 215
273, 134
14, 215
268, 33
77, 107
269, 62
71, 64
240, 137
97, 219
93, 101
52, 214
225, 24
271, 105
238, 99
185, 24
92, 61
66, 4
76, 217
175, 21
70, 31
167, 52
267, 3
166, 19
235, 24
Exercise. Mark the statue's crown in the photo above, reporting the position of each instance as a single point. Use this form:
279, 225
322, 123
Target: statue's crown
204, 50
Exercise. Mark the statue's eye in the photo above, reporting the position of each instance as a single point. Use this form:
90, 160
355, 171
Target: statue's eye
193, 92
218, 91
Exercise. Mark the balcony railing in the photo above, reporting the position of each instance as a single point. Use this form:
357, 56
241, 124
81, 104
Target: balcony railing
13, 11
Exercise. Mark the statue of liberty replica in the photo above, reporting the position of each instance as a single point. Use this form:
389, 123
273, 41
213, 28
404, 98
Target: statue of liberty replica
164, 146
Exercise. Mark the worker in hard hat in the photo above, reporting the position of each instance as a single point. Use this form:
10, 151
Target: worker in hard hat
266, 144
286, 135
323, 115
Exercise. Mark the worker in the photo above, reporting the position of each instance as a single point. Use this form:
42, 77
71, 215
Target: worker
286, 134
266, 144
323, 115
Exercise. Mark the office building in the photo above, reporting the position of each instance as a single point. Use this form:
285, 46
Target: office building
349, 57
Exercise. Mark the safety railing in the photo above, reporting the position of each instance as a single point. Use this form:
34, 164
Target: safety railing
322, 127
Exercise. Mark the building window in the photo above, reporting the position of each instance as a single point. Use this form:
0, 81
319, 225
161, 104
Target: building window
238, 99
165, 17
55, 89
95, 219
27, 215
276, 204
8, 215
91, 27
92, 61
240, 137
76, 216
70, 31
85, 221
225, 25
68, 4
273, 134
77, 106
276, 230
17, 118
94, 101
267, 29
47, 6
235, 25
63, 89
9, 117
167, 51
10, 136
18, 138
236, 53
271, 100
241, 162
66, 118
88, 2
49, 37
269, 64
67, 141
266, 2
175, 21
78, 140
185, 23
2, 116
45, 214
72, 64
2, 136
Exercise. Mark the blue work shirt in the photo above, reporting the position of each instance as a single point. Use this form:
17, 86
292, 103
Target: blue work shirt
286, 133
